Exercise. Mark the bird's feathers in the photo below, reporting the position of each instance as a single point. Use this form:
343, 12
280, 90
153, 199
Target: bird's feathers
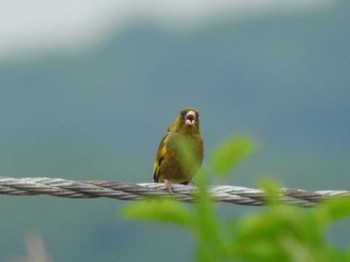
168, 165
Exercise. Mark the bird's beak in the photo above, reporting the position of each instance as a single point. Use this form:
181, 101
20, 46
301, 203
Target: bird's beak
190, 118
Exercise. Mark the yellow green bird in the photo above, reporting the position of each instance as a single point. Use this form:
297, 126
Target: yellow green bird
169, 165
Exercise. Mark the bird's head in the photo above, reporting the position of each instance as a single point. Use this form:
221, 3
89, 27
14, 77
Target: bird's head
187, 121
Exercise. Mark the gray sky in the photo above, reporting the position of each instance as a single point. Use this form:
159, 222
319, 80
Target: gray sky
31, 27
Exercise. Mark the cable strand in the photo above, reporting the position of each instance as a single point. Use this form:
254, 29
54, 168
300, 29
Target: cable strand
59, 187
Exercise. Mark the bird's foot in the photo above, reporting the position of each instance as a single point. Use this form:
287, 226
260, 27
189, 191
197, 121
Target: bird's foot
168, 186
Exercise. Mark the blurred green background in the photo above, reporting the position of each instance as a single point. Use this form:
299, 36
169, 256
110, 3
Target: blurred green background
99, 111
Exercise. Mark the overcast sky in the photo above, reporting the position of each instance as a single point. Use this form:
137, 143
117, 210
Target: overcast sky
29, 27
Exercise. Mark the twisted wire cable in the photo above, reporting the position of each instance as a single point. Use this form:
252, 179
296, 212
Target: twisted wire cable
128, 191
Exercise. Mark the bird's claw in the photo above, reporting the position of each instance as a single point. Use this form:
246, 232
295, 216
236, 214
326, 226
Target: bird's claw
168, 186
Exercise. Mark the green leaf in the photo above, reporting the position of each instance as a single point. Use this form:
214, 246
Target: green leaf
333, 209
187, 154
230, 153
272, 190
163, 210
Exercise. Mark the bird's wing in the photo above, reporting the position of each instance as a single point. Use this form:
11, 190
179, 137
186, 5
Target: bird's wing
161, 154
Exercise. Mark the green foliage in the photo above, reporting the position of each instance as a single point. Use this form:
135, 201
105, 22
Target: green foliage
231, 153
165, 210
287, 233
187, 152
276, 233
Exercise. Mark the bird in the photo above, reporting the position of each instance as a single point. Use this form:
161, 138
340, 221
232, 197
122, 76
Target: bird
169, 165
